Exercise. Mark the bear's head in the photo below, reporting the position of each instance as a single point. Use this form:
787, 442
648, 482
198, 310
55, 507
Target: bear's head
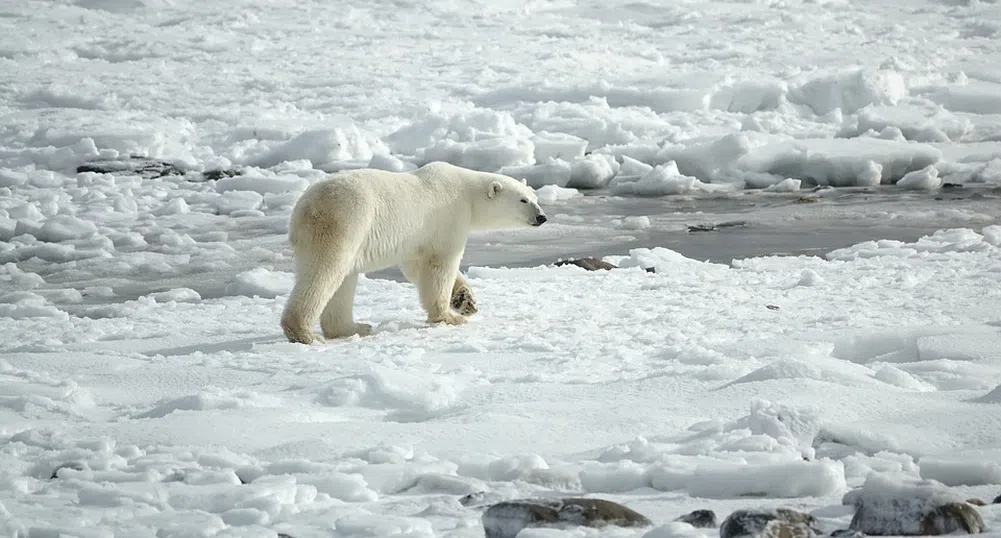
509, 203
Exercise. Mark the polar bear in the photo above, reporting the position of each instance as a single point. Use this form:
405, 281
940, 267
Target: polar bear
365, 220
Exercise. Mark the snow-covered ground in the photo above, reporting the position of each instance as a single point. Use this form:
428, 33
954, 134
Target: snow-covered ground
139, 341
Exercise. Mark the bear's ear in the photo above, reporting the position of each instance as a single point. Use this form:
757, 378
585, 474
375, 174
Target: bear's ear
494, 188
524, 181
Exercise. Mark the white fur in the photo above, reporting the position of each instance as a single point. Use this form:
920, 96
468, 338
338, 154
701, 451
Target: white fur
365, 220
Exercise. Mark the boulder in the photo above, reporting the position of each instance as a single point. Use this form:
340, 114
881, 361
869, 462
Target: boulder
700, 519
506, 519
764, 523
589, 263
887, 505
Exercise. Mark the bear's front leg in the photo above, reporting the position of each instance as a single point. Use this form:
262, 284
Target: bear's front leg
435, 281
463, 300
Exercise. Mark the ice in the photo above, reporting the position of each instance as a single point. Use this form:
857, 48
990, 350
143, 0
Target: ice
262, 184
261, 282
593, 171
549, 172
661, 180
960, 472
551, 194
148, 166
231, 202
322, 147
849, 162
849, 91
566, 147
925, 179
792, 479
786, 185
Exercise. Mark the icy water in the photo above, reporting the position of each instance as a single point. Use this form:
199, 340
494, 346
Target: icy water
748, 224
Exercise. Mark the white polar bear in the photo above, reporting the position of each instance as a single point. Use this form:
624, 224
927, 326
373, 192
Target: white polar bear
365, 220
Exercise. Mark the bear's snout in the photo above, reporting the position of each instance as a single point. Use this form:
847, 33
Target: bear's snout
539, 219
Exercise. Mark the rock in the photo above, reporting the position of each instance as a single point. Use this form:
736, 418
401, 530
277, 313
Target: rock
777, 523
952, 185
997, 500
846, 533
220, 173
506, 519
771, 307
283, 535
473, 499
74, 465
808, 199
952, 517
700, 519
976, 502
589, 263
715, 227
901, 506
142, 166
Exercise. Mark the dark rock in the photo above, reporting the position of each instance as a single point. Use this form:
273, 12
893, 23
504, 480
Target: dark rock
891, 506
952, 517
506, 519
283, 535
846, 533
219, 174
74, 465
807, 199
997, 500
142, 166
700, 519
771, 307
472, 499
952, 185
777, 523
589, 263
715, 227
903, 518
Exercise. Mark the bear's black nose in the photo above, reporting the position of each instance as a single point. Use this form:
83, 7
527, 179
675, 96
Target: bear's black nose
540, 219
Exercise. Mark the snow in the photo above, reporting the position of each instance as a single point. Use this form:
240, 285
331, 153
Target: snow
826, 339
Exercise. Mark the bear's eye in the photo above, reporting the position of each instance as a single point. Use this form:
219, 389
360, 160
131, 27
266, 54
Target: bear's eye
524, 200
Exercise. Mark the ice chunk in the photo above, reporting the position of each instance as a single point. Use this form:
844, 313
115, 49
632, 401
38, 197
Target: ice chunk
261, 282
323, 147
840, 162
562, 146
849, 91
234, 201
592, 171
554, 172
64, 228
262, 184
551, 194
924, 179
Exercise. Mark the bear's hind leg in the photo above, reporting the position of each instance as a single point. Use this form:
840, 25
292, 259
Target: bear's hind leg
337, 318
317, 278
435, 278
